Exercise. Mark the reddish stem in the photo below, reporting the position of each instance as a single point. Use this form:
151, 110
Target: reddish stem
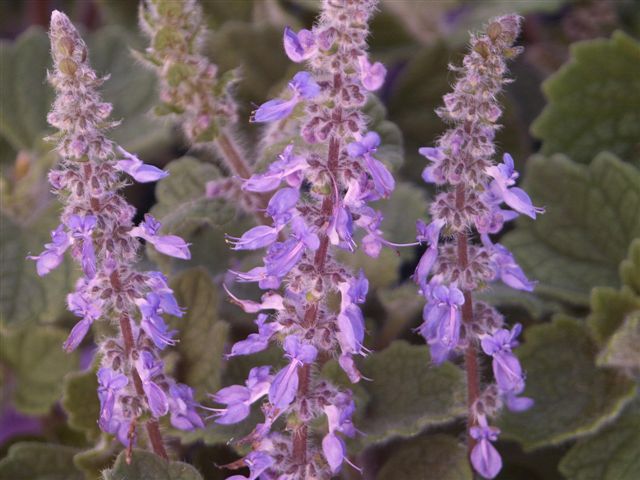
153, 428
471, 355
300, 435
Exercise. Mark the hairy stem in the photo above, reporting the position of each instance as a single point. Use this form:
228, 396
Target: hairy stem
153, 428
471, 356
300, 436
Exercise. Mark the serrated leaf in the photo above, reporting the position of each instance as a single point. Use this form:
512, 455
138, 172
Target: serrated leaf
80, 402
590, 221
39, 461
623, 348
407, 393
432, 457
94, 461
573, 397
630, 268
35, 356
202, 334
594, 102
26, 97
611, 454
147, 466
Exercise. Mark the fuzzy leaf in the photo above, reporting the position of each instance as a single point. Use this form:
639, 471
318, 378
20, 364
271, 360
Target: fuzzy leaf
573, 397
430, 457
590, 221
407, 394
92, 462
35, 356
594, 102
630, 268
24, 296
39, 461
608, 310
26, 97
80, 402
622, 349
611, 454
202, 334
147, 466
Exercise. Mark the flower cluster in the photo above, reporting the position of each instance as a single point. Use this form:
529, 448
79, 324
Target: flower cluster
451, 268
96, 227
322, 186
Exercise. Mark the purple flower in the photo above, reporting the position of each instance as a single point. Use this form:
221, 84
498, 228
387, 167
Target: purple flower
504, 177
147, 368
299, 46
110, 383
285, 384
282, 205
340, 231
90, 309
339, 415
302, 85
506, 268
270, 301
436, 156
256, 342
382, 178
430, 234
141, 172
506, 366
239, 398
371, 76
171, 245
289, 167
152, 323
82, 229
258, 462
484, 457
53, 254
254, 238
441, 327
182, 408
166, 300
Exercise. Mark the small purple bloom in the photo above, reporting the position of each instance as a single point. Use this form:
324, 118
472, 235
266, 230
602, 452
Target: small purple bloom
504, 176
270, 301
340, 231
441, 327
152, 323
141, 172
254, 238
182, 408
147, 368
303, 86
171, 245
256, 342
334, 451
299, 46
506, 267
430, 234
110, 383
239, 398
371, 76
53, 255
258, 462
506, 366
89, 309
382, 178
82, 229
285, 384
288, 167
282, 204
484, 457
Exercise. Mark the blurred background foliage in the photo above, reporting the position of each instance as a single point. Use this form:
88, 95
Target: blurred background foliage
572, 122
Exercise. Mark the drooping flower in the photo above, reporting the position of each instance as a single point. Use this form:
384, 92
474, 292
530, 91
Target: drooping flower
302, 86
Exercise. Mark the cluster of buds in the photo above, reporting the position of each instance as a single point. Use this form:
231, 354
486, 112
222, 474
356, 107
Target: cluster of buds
96, 226
451, 268
322, 185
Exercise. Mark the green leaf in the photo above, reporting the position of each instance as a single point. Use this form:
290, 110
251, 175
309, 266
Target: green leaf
183, 210
402, 306
611, 454
24, 296
590, 221
202, 334
391, 149
147, 466
25, 96
622, 349
35, 356
573, 397
630, 267
94, 461
80, 402
431, 457
39, 461
594, 102
408, 393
